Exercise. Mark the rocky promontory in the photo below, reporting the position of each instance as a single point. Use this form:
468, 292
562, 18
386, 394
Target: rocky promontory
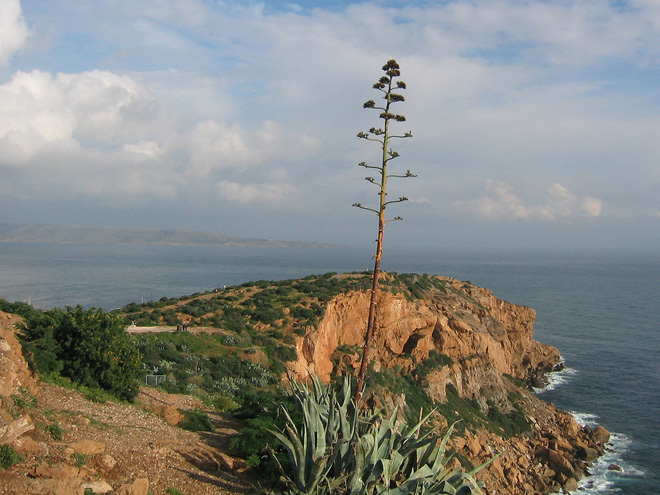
456, 341
492, 350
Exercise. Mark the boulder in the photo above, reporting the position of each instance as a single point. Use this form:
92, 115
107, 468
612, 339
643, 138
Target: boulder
88, 447
99, 486
14, 371
558, 462
587, 454
139, 487
27, 445
10, 432
600, 435
171, 414
570, 485
107, 462
55, 472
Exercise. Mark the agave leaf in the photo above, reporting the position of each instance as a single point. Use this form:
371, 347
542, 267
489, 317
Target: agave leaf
355, 482
318, 472
296, 458
481, 466
431, 450
423, 472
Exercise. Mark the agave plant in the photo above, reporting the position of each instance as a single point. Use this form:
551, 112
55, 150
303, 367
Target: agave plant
323, 442
339, 450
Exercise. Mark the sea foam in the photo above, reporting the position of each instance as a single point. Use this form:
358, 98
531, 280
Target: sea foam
557, 379
603, 480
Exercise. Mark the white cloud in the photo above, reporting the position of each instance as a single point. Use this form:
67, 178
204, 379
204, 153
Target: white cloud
502, 202
217, 145
105, 134
13, 30
275, 193
95, 134
147, 149
593, 207
96, 108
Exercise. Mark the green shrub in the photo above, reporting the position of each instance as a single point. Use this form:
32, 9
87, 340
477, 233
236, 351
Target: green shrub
282, 353
507, 425
23, 399
88, 346
17, 308
259, 412
9, 457
79, 459
196, 421
457, 407
220, 402
433, 362
55, 431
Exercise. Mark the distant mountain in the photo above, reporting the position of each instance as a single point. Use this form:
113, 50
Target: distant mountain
65, 234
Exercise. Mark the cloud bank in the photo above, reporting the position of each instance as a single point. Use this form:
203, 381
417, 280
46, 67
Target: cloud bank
501, 202
179, 108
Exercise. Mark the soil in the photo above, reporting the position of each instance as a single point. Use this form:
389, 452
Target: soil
140, 442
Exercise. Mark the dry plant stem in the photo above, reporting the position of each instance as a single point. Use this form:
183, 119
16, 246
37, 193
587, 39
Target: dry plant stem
382, 136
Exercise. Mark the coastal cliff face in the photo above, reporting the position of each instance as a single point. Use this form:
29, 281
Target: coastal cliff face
486, 337
491, 344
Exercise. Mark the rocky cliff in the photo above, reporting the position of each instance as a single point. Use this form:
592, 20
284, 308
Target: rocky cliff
486, 337
490, 345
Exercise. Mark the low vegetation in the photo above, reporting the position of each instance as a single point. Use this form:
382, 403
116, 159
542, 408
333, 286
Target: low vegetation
9, 456
338, 448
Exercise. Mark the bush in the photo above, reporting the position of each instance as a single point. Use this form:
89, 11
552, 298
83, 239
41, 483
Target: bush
9, 457
17, 308
55, 431
88, 346
196, 421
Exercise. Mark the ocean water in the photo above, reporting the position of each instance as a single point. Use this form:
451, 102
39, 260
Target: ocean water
601, 311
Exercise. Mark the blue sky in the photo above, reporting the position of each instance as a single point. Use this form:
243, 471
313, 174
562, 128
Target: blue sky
536, 124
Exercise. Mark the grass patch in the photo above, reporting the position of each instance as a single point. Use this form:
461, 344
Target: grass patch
79, 459
55, 431
97, 395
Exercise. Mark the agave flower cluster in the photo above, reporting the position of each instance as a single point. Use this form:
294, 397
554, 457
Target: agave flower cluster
339, 450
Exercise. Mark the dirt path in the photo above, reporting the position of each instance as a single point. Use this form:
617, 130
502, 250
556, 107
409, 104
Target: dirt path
161, 329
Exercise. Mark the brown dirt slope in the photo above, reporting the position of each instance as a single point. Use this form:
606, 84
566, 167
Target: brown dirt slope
69, 443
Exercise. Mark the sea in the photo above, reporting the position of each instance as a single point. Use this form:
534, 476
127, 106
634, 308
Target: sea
602, 311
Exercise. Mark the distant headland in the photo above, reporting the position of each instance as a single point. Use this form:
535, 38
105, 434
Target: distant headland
66, 234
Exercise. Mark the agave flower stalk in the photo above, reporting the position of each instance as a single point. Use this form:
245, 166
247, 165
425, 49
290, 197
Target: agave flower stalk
388, 85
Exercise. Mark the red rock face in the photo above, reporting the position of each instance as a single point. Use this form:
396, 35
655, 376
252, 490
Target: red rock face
485, 336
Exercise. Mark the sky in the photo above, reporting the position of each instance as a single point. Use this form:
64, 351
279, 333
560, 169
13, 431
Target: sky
536, 124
